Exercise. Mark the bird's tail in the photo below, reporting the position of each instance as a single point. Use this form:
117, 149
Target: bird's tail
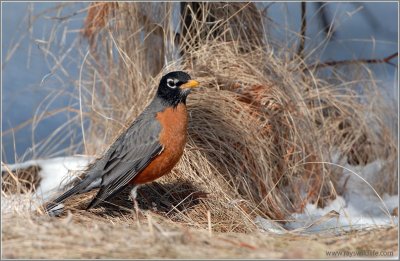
55, 205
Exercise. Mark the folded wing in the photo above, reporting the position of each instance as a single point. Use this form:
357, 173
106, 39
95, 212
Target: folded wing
126, 157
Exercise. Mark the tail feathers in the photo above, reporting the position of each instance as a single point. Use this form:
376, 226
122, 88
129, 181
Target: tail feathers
56, 210
54, 205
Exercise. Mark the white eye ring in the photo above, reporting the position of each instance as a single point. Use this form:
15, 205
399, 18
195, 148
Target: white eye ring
172, 83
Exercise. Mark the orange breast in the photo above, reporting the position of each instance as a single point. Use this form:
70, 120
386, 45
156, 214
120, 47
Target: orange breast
174, 122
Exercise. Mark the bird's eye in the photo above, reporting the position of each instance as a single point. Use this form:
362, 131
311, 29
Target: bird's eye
171, 83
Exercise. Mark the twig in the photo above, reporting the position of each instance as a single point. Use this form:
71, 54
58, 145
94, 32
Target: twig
327, 25
302, 30
355, 61
80, 101
209, 223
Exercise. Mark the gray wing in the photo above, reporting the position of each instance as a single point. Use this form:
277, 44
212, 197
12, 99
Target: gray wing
136, 151
126, 157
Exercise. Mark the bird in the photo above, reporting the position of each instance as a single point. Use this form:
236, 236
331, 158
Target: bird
148, 149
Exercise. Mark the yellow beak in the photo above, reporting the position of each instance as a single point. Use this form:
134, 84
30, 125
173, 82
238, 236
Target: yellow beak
190, 84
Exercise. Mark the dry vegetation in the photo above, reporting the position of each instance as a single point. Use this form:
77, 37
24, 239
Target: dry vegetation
155, 238
263, 129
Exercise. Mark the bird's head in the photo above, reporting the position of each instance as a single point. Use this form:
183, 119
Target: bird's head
175, 87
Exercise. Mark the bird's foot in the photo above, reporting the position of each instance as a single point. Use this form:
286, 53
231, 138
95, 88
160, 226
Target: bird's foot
133, 193
136, 207
133, 196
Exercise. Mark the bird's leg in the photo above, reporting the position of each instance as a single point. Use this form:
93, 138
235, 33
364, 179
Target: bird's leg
133, 196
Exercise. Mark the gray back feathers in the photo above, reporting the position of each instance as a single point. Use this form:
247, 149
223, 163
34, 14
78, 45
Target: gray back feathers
133, 150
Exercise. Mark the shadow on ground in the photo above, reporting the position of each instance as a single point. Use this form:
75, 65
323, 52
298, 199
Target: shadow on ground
165, 199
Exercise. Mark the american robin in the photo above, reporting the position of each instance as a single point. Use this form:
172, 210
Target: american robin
147, 150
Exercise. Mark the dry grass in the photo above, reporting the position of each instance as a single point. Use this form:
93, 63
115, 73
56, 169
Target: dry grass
156, 237
20, 181
261, 129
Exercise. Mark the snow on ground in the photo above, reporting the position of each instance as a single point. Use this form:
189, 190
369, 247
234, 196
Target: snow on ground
54, 173
358, 208
356, 213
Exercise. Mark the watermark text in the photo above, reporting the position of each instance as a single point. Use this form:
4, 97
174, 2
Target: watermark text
359, 253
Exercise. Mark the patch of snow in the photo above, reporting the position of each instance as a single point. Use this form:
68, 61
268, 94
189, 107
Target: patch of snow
54, 173
356, 213
58, 172
359, 207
